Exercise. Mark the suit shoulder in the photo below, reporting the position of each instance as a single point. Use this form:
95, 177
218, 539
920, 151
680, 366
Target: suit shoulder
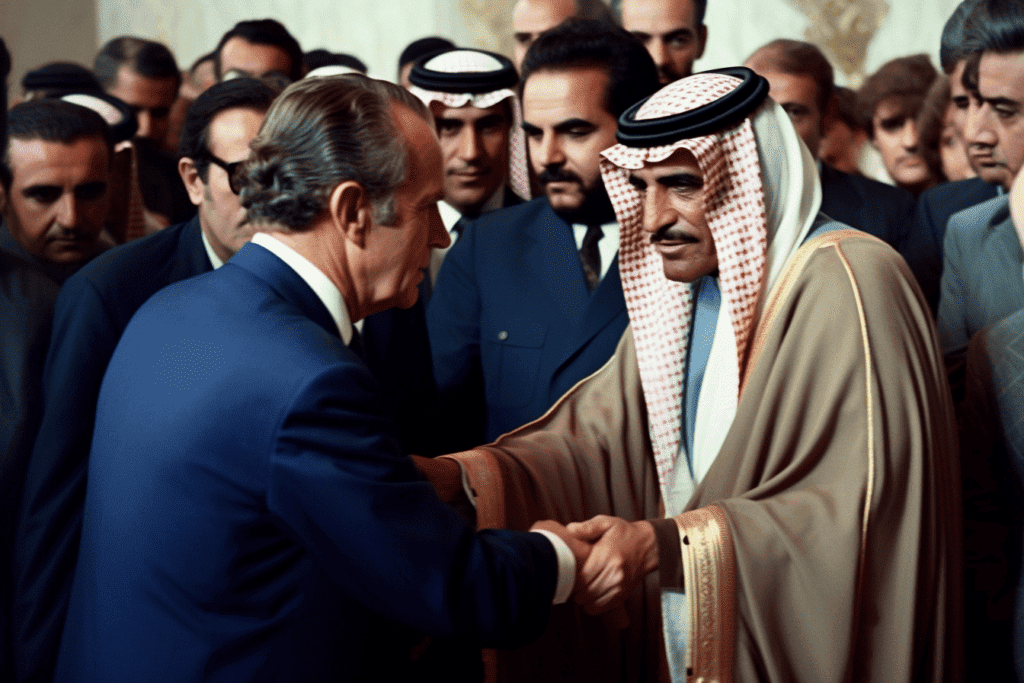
510, 218
140, 259
976, 220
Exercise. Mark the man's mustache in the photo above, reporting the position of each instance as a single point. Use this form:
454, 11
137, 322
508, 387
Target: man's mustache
557, 175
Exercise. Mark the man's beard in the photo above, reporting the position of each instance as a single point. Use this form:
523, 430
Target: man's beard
596, 208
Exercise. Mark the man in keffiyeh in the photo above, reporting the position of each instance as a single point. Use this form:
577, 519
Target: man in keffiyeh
771, 448
471, 94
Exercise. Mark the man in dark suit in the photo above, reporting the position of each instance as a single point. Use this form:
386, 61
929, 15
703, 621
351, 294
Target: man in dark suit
26, 308
801, 81
981, 275
249, 512
529, 301
56, 175
92, 311
935, 206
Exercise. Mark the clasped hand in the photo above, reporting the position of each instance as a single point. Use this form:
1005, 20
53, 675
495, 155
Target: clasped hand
612, 557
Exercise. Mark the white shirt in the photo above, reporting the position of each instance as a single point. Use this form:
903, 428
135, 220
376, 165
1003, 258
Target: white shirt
214, 259
331, 297
325, 290
607, 246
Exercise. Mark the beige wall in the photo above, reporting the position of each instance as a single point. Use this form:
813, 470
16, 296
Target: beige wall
42, 31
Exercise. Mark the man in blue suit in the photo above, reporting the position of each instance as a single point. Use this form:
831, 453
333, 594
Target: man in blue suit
802, 82
249, 514
92, 311
529, 301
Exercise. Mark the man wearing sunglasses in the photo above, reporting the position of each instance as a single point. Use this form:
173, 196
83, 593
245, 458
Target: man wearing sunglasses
93, 309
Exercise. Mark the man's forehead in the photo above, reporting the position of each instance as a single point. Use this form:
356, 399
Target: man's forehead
536, 16
1001, 74
27, 150
572, 88
658, 16
469, 113
143, 91
680, 162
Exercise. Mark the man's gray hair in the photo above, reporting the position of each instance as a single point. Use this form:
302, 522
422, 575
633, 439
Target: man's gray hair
321, 132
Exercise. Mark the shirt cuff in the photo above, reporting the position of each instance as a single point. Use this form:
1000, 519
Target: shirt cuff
566, 567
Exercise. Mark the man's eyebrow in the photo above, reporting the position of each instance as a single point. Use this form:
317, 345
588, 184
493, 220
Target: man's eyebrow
570, 124
1001, 102
642, 36
529, 128
490, 120
681, 179
682, 32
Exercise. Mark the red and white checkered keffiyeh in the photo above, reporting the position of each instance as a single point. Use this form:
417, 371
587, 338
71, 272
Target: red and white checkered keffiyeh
756, 226
473, 61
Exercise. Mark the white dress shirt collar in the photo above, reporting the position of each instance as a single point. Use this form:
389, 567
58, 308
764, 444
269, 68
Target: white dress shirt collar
321, 285
214, 259
607, 246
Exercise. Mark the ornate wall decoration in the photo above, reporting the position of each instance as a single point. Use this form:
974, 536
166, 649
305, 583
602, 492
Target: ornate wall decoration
843, 29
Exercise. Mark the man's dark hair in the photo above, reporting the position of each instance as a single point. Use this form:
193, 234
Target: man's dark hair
953, 45
51, 121
430, 45
931, 121
263, 32
145, 57
996, 26
905, 79
581, 43
238, 93
314, 59
58, 79
845, 107
319, 133
797, 58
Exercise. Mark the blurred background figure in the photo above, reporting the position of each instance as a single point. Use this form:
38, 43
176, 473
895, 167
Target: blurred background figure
941, 142
57, 79
845, 132
891, 99
530, 18
319, 58
415, 51
261, 48
673, 31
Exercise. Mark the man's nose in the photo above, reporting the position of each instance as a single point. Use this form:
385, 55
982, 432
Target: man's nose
145, 120
658, 52
68, 210
469, 144
548, 152
977, 130
657, 213
908, 135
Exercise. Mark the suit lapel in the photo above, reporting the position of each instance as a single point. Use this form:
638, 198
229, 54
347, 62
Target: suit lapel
285, 282
554, 249
604, 306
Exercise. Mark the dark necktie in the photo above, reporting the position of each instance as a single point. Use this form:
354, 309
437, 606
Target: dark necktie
590, 256
356, 344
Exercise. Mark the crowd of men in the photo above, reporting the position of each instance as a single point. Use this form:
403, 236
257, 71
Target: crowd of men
619, 371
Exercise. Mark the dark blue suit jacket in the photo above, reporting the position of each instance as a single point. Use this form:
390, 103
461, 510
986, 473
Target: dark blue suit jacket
512, 326
868, 205
923, 246
249, 514
27, 297
92, 311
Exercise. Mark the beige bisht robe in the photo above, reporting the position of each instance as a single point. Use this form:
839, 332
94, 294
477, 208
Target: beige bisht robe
823, 543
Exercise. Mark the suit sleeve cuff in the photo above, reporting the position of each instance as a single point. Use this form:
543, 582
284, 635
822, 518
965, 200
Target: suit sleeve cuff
670, 555
566, 567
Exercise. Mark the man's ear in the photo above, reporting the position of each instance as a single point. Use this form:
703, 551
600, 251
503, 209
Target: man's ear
702, 33
193, 183
351, 211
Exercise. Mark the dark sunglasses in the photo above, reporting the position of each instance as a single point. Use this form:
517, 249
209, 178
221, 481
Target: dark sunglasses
232, 169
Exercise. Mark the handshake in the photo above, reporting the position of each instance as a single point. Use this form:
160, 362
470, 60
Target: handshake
612, 557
